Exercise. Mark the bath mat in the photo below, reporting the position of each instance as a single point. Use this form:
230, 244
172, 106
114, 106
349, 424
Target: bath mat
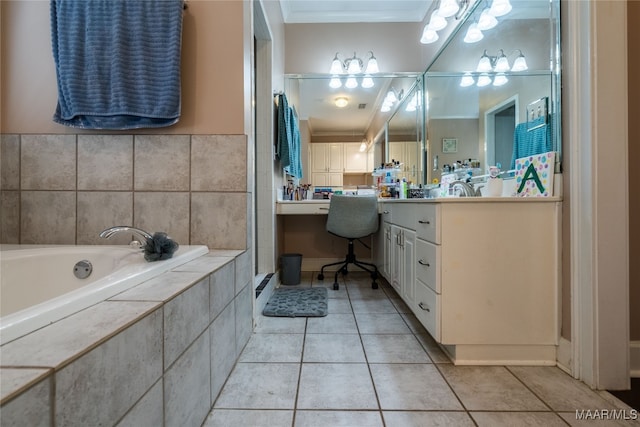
297, 302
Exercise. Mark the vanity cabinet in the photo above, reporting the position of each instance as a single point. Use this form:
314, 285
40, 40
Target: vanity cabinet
481, 277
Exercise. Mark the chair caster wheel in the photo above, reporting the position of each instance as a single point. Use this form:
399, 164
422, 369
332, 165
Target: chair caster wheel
320, 276
374, 276
344, 271
374, 285
336, 286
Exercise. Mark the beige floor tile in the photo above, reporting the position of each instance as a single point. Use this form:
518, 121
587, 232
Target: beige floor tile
381, 323
491, 388
436, 354
339, 306
338, 419
412, 387
333, 348
426, 419
280, 325
380, 305
394, 349
336, 386
517, 419
283, 348
253, 418
332, 324
558, 389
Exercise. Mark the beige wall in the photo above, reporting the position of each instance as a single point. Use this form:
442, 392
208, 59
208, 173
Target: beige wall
62, 185
633, 41
212, 69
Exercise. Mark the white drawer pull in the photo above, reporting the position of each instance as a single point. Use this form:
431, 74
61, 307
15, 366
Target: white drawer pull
426, 264
424, 307
420, 221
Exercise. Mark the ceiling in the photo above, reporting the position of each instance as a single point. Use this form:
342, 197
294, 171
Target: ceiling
331, 11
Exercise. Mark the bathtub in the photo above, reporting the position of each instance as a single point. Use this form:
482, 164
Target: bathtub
38, 285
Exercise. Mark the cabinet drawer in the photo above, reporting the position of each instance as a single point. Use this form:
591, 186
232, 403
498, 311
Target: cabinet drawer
427, 309
427, 226
404, 215
428, 264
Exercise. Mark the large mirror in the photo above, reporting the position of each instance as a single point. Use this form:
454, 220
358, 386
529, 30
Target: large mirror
359, 126
489, 117
404, 136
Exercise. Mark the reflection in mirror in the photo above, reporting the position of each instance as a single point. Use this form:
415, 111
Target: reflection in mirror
496, 115
404, 142
327, 129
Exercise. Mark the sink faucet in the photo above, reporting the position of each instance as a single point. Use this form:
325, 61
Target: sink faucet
111, 231
466, 189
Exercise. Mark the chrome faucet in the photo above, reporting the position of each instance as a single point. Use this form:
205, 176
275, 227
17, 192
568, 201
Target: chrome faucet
466, 189
111, 231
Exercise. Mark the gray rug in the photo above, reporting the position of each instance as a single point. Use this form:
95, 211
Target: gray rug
297, 302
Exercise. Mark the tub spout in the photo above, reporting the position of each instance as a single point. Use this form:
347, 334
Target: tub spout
111, 231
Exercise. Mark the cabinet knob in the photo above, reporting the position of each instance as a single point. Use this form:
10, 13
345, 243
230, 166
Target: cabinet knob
426, 264
420, 221
424, 307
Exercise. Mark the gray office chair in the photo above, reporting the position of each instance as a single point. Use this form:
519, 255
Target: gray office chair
352, 217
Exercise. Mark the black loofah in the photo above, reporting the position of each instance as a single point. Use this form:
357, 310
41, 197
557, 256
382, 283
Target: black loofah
159, 247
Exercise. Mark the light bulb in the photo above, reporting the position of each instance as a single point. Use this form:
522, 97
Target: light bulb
336, 66
520, 64
448, 8
335, 83
351, 82
341, 102
502, 64
467, 80
367, 82
429, 36
484, 64
483, 80
372, 65
487, 21
354, 65
500, 79
363, 145
473, 34
437, 22
500, 7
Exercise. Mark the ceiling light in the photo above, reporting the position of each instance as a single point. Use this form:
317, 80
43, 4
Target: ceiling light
372, 65
351, 82
483, 80
520, 64
428, 36
502, 63
335, 83
500, 7
473, 34
487, 21
437, 22
367, 82
363, 145
467, 80
500, 79
448, 8
341, 102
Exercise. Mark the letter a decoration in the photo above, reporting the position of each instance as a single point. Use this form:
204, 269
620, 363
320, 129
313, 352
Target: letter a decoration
534, 175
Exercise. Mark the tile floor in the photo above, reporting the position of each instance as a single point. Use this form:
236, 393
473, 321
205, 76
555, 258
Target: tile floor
370, 363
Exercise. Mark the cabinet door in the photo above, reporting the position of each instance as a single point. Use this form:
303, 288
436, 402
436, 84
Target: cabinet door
335, 179
319, 158
335, 157
411, 161
395, 263
408, 266
386, 261
396, 151
320, 179
355, 161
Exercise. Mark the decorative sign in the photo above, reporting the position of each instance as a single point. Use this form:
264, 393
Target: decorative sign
534, 175
449, 145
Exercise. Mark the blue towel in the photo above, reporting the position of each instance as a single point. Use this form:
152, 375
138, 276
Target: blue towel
532, 138
288, 141
117, 62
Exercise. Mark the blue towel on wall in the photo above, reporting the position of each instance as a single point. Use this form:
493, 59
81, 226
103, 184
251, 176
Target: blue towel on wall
117, 62
531, 138
288, 139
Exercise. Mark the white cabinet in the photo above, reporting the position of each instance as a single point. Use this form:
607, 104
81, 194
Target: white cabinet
326, 162
479, 276
355, 161
407, 154
326, 179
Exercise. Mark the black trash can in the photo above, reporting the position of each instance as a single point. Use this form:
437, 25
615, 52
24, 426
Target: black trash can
291, 266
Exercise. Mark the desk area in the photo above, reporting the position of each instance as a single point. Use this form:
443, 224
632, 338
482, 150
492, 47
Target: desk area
481, 274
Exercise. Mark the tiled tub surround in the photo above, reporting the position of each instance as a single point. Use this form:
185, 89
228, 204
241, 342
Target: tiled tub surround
38, 287
65, 189
157, 354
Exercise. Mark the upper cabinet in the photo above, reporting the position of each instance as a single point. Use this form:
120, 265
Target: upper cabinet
355, 161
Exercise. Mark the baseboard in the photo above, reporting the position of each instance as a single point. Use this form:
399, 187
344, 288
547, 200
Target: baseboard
564, 359
634, 352
265, 294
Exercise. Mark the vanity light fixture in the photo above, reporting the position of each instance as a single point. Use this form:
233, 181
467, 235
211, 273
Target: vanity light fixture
467, 80
390, 99
486, 21
484, 80
500, 7
438, 21
500, 79
500, 63
335, 82
341, 101
520, 63
353, 66
367, 82
351, 82
448, 8
474, 34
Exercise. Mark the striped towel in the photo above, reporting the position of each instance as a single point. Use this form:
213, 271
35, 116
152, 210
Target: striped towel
117, 62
